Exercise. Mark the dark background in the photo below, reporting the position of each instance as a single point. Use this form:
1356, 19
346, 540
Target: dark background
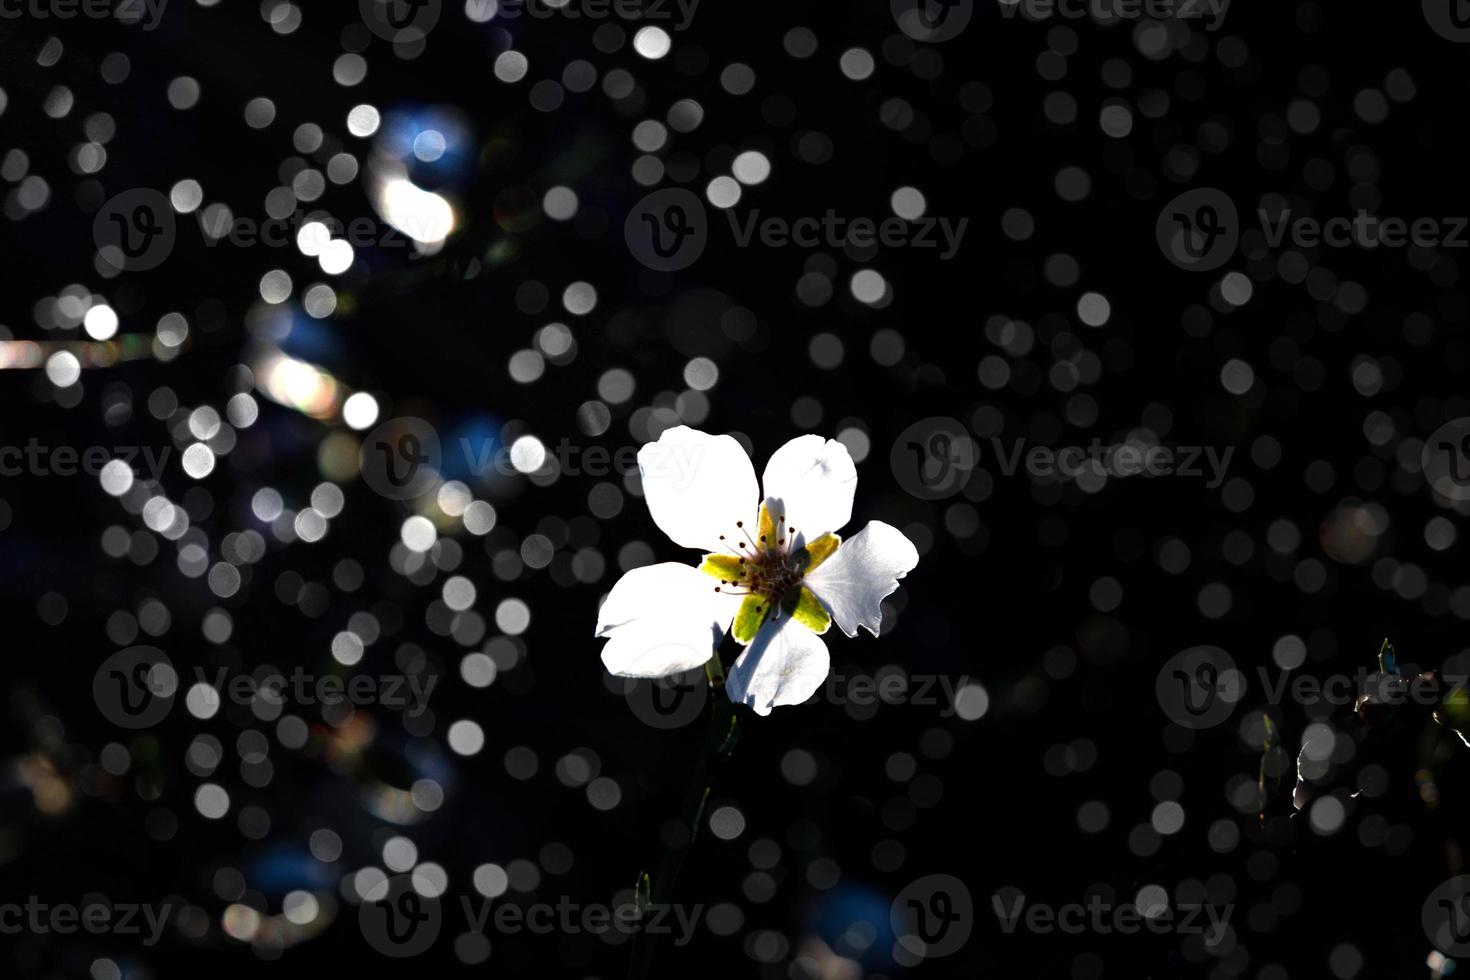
1007, 589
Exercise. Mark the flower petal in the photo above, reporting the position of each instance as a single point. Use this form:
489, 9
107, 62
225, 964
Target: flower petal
697, 486
665, 591
802, 605
725, 568
816, 552
785, 665
863, 571
748, 620
653, 649
661, 620
814, 479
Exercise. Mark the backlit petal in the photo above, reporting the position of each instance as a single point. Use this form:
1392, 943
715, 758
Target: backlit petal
785, 665
864, 570
662, 619
814, 479
697, 486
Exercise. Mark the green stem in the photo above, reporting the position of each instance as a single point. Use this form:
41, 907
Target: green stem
719, 740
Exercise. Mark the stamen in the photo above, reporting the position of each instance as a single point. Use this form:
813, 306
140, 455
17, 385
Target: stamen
741, 525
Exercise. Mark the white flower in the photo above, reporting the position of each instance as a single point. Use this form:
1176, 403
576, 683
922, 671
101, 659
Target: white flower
783, 574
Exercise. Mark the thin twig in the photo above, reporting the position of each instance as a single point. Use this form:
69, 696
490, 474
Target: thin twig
719, 740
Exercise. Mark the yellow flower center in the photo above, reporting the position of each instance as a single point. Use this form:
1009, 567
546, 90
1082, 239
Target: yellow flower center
768, 570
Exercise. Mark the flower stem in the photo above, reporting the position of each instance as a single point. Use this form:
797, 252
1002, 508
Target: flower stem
719, 741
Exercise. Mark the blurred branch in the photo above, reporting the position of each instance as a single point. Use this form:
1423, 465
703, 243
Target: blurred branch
719, 742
